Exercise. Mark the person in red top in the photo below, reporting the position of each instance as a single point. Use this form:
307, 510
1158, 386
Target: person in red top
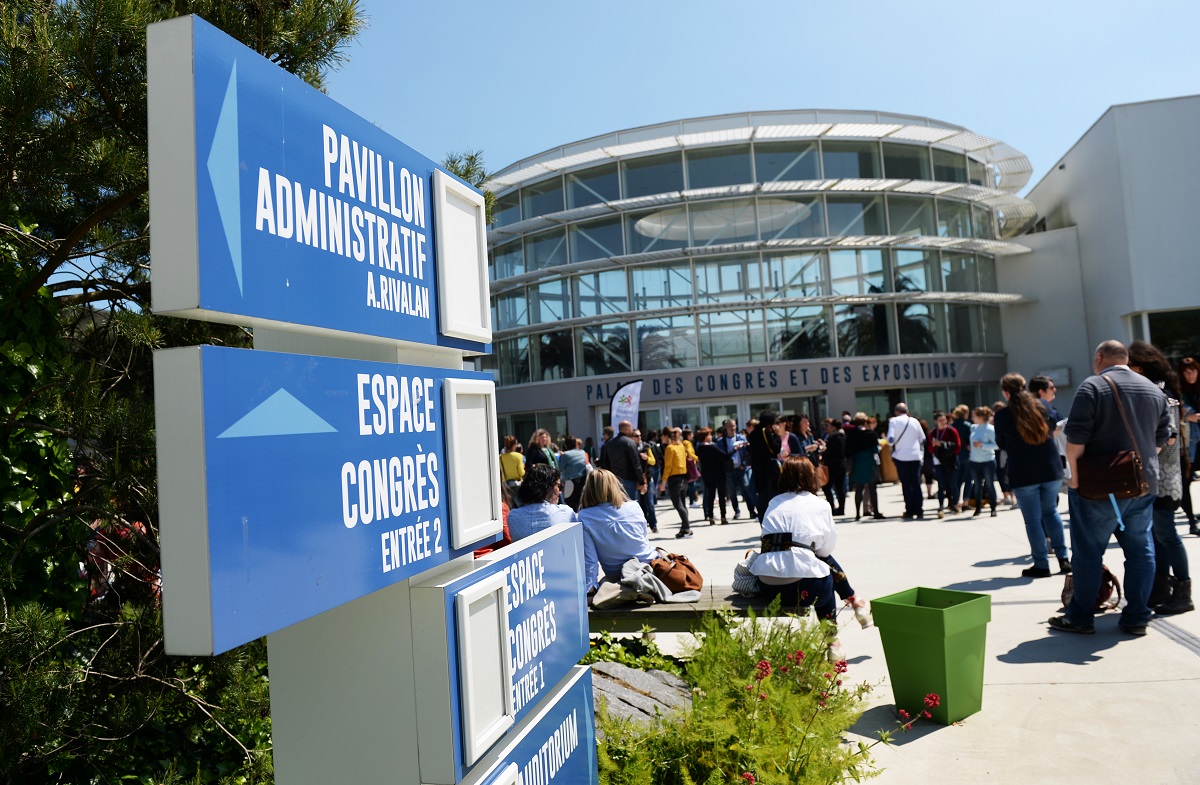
944, 445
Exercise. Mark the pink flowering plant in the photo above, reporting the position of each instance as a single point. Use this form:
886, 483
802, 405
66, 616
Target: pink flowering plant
768, 708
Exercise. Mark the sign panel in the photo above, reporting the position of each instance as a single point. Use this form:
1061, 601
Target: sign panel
273, 204
547, 635
556, 745
314, 481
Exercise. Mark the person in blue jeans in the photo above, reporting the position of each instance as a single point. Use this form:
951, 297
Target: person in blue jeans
1025, 430
1095, 425
983, 459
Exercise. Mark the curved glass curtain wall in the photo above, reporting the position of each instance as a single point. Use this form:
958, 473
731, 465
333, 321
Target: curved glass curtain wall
696, 306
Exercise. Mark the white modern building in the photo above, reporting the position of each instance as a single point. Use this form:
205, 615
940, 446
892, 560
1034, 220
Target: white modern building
1111, 255
821, 261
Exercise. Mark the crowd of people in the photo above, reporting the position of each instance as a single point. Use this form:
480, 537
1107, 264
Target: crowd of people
796, 480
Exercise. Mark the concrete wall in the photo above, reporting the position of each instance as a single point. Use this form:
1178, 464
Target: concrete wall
1131, 186
1050, 333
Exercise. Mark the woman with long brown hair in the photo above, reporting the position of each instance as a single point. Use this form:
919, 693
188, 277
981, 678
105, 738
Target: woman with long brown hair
1024, 430
1172, 589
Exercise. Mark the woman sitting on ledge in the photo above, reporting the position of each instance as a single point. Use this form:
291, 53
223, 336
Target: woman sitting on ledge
614, 528
797, 532
539, 494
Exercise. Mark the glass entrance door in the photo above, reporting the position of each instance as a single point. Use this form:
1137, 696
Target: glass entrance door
717, 413
685, 415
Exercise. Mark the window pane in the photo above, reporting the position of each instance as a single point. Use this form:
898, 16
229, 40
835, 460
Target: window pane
916, 271
715, 223
669, 342
656, 230
981, 222
591, 186
906, 161
728, 279
542, 199
596, 239
1173, 331
858, 271
728, 337
654, 174
800, 333
555, 356
856, 215
966, 328
661, 286
513, 360
863, 330
550, 301
507, 209
993, 340
718, 166
795, 275
602, 349
977, 173
511, 310
510, 260
603, 293
949, 167
785, 219
922, 328
954, 219
850, 159
546, 249
958, 273
987, 273
911, 215
786, 161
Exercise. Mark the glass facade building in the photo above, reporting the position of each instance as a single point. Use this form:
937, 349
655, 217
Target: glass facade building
779, 240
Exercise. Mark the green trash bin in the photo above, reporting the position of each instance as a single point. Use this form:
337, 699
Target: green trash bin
933, 641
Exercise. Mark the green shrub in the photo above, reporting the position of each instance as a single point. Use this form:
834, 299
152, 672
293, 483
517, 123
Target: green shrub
641, 653
768, 707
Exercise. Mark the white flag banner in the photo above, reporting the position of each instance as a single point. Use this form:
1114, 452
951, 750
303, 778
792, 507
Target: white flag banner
625, 403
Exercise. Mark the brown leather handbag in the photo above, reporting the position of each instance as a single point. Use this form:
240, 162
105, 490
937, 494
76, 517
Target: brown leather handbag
1120, 474
676, 572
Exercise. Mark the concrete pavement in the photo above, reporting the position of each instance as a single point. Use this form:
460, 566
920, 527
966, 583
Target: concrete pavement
1057, 708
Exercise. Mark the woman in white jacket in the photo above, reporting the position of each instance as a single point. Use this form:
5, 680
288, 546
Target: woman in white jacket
797, 535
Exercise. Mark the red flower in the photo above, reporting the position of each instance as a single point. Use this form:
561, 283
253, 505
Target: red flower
839, 682
749, 687
927, 715
783, 669
827, 675
804, 595
932, 700
762, 696
903, 714
748, 777
841, 666
799, 656
763, 670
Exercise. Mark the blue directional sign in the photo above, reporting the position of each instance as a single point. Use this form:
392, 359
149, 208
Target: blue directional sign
547, 634
279, 206
316, 481
558, 744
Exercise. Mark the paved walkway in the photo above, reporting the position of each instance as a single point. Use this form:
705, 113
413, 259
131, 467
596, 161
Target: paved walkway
1057, 708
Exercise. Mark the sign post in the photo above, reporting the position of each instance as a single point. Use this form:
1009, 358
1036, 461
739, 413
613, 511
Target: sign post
329, 494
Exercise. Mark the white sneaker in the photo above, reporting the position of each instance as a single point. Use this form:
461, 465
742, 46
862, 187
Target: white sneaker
835, 653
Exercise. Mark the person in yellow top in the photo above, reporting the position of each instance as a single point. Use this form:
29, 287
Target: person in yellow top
512, 463
674, 476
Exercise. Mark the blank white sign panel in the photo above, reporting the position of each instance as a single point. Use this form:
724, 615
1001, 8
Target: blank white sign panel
487, 702
472, 465
462, 260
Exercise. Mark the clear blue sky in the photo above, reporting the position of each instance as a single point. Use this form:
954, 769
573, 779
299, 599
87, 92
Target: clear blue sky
513, 79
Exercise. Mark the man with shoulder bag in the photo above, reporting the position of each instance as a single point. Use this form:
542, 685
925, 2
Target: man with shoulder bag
1118, 423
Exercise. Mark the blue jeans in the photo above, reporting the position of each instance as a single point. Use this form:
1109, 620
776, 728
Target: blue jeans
964, 485
748, 492
985, 480
1093, 523
1169, 554
943, 480
909, 473
803, 592
631, 490
1039, 508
